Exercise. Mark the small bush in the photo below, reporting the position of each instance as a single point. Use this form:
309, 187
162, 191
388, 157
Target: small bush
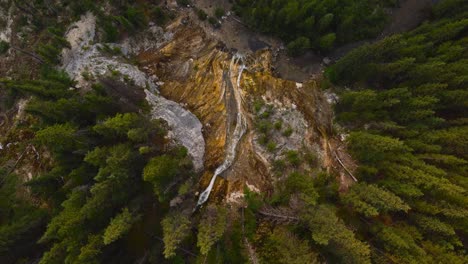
183, 2
110, 50
161, 17
288, 132
298, 46
258, 104
144, 150
49, 53
279, 165
293, 157
271, 146
326, 42
86, 75
267, 113
263, 140
214, 22
264, 126
115, 73
202, 15
184, 188
219, 12
278, 125
4, 47
111, 33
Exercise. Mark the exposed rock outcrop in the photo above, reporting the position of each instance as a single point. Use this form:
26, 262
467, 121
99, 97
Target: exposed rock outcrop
86, 61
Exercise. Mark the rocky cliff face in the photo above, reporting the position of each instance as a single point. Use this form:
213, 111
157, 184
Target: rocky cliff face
192, 69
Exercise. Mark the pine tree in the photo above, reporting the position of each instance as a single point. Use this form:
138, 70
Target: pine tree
330, 231
371, 200
211, 227
118, 226
176, 228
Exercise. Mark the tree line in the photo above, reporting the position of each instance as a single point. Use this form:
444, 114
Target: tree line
315, 24
406, 111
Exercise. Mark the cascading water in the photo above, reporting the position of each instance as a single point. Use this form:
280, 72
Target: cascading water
239, 130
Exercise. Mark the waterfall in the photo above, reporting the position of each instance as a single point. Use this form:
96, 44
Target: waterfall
239, 130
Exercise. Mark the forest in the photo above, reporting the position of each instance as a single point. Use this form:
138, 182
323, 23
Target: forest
315, 24
402, 105
109, 171
109, 162
406, 109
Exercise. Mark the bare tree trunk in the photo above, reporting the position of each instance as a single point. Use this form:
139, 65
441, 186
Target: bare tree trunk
19, 159
33, 55
341, 163
283, 215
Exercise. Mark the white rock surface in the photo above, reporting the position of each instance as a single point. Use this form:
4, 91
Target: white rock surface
6, 15
332, 98
235, 198
185, 126
152, 38
290, 117
85, 57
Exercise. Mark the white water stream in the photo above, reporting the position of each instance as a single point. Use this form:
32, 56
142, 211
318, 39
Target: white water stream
239, 130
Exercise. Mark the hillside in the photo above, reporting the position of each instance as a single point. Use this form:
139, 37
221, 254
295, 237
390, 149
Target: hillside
184, 132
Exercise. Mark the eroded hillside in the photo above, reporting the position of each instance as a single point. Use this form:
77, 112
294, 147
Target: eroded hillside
175, 132
203, 75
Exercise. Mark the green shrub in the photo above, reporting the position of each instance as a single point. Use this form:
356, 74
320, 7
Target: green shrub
279, 165
137, 17
144, 150
298, 46
110, 50
263, 139
278, 124
183, 2
288, 132
326, 42
49, 53
86, 75
219, 12
267, 113
4, 47
264, 126
271, 146
258, 104
202, 15
214, 22
110, 31
161, 16
292, 157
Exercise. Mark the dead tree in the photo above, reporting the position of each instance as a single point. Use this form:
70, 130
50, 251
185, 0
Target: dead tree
281, 215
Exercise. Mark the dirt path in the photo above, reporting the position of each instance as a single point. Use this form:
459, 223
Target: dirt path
233, 33
407, 17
